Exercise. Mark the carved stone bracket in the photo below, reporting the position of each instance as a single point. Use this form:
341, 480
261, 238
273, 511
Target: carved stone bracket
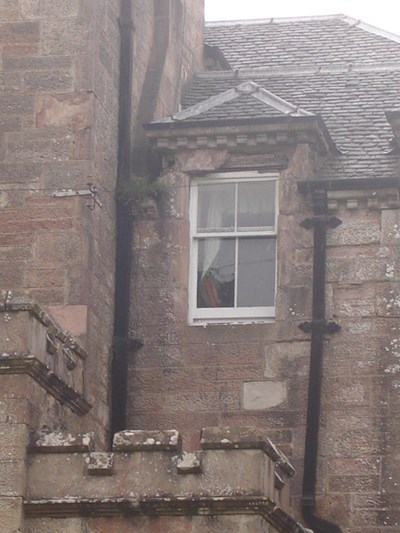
32, 343
41, 373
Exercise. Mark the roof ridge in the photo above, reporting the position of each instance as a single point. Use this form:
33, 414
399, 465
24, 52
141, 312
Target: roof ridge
271, 20
358, 23
330, 68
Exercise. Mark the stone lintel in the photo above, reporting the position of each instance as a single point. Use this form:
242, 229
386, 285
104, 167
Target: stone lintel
166, 506
243, 438
138, 440
60, 442
22, 363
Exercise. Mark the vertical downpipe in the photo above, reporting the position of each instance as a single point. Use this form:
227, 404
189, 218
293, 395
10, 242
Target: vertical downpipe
318, 327
119, 368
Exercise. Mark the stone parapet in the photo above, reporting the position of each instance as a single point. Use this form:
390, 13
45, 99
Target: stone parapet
148, 474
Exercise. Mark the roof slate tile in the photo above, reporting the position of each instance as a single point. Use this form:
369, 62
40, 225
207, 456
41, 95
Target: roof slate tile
330, 67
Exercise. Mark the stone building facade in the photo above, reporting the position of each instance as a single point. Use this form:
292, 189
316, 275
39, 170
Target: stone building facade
301, 144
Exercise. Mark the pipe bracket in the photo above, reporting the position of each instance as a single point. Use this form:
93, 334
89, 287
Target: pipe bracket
308, 501
317, 325
330, 221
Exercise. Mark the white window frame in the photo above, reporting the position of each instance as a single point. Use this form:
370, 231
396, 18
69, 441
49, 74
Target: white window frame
226, 314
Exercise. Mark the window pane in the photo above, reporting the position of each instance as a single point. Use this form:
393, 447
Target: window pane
256, 205
256, 272
216, 272
216, 207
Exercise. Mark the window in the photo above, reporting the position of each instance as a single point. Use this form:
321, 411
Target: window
233, 248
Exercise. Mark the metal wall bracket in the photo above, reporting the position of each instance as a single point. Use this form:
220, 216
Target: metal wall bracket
328, 327
91, 194
330, 221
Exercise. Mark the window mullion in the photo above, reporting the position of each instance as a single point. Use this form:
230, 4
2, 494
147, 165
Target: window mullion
236, 271
236, 247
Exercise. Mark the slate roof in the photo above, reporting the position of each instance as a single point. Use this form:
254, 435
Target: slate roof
301, 42
335, 67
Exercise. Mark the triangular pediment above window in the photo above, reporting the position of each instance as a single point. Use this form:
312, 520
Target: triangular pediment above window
246, 100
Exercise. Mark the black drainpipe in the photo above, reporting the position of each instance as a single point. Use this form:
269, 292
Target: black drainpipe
317, 327
119, 369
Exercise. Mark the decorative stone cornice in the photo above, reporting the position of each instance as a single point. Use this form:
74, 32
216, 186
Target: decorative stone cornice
357, 193
352, 200
166, 506
230, 134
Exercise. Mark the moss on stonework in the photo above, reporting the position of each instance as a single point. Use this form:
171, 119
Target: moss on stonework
136, 191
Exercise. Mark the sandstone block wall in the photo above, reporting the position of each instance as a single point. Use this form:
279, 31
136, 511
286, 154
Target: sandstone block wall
185, 375
58, 130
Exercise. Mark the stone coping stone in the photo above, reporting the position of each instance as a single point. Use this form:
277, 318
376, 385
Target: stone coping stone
60, 442
139, 440
226, 438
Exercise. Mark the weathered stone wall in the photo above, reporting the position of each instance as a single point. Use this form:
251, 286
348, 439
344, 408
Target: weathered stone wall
359, 475
58, 130
185, 376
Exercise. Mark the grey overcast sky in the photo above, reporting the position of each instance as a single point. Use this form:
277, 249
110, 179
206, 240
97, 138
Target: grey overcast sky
384, 14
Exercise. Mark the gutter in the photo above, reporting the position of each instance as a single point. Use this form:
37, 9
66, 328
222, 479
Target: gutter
119, 365
318, 327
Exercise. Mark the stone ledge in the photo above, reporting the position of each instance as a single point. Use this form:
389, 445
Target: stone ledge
165, 506
243, 438
60, 442
20, 363
137, 440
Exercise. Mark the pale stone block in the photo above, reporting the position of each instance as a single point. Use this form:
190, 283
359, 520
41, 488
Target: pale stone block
282, 357
72, 318
11, 517
355, 233
264, 394
12, 479
391, 227
54, 525
13, 441
209, 160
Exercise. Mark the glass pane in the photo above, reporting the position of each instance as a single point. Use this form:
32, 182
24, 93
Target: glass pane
216, 272
216, 207
256, 205
256, 272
